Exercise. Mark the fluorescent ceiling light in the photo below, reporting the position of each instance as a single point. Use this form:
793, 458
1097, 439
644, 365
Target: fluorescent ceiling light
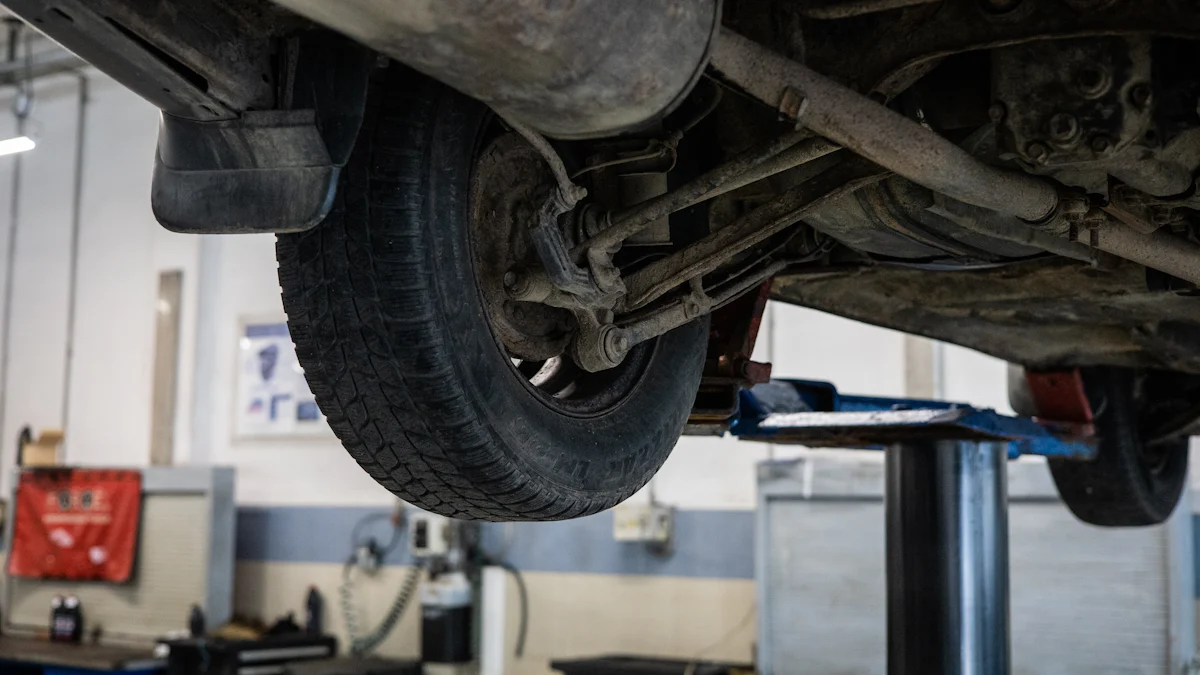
9, 146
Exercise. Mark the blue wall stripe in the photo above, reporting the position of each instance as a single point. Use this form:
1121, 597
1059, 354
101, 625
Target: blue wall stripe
1196, 554
709, 544
310, 534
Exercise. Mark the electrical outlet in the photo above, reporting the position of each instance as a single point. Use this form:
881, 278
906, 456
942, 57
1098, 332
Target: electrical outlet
643, 522
428, 535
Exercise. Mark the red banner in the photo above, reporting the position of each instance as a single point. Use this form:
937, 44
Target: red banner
76, 524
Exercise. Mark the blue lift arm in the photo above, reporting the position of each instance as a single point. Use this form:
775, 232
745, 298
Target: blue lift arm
816, 414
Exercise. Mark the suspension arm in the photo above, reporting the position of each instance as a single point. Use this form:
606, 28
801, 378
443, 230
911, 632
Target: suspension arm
718, 248
776, 156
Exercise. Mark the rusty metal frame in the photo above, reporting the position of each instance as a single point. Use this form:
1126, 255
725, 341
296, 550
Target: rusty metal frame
203, 59
890, 55
718, 248
872, 130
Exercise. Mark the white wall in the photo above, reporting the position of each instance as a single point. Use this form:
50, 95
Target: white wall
858, 358
270, 472
122, 251
974, 378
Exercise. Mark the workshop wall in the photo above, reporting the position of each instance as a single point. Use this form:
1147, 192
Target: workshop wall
231, 279
299, 498
571, 614
239, 284
121, 252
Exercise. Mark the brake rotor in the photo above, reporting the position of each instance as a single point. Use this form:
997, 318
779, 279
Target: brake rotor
509, 180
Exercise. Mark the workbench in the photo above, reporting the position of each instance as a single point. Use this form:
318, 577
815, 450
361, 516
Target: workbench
29, 656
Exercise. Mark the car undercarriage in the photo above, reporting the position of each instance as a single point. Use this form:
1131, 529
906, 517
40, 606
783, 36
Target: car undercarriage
1094, 96
1014, 176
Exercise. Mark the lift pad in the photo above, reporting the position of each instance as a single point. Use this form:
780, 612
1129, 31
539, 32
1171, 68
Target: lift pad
815, 414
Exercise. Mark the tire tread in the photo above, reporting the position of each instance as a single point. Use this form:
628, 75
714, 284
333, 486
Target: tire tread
362, 311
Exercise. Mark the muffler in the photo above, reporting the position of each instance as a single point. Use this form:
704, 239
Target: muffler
567, 68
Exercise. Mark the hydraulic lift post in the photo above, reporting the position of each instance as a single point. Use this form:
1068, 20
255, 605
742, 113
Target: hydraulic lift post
945, 507
947, 558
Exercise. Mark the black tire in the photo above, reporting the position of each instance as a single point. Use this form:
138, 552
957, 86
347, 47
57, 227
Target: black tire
1131, 482
389, 326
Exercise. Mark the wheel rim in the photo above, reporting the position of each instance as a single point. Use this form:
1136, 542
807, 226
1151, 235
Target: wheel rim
508, 182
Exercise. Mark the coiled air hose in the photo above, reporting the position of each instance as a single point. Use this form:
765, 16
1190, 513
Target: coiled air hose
361, 645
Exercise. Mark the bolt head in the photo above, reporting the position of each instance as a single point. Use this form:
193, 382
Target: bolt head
1139, 95
1093, 80
1037, 151
616, 344
515, 283
793, 103
753, 371
997, 111
1064, 128
621, 342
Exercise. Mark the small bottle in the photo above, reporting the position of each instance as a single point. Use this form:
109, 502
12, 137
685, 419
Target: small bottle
56, 610
73, 611
314, 612
66, 619
196, 622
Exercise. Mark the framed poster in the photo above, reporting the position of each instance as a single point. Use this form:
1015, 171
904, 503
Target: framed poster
273, 400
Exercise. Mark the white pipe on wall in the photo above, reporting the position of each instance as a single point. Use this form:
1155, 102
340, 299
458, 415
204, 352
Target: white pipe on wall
493, 614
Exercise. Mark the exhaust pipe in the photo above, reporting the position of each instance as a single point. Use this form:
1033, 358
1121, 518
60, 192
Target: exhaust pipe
922, 156
569, 69
881, 135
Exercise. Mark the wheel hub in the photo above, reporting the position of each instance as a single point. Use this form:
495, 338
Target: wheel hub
509, 180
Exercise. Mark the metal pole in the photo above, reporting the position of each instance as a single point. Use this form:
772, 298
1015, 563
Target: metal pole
73, 255
20, 110
947, 558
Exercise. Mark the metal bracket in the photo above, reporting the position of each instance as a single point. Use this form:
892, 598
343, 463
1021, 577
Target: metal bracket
588, 293
563, 273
